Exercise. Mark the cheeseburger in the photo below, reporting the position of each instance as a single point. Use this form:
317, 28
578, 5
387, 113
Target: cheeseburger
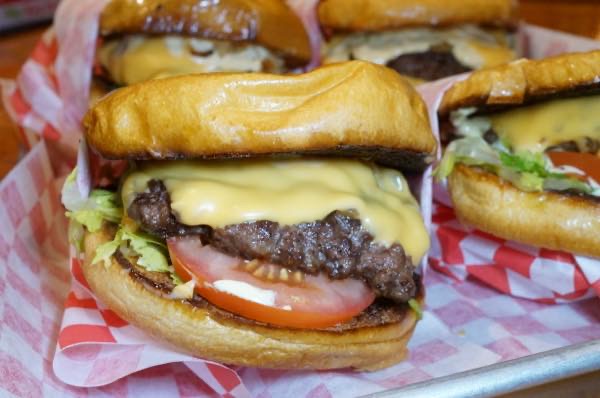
424, 40
147, 39
263, 221
523, 154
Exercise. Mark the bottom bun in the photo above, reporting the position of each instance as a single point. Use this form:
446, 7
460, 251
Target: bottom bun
544, 219
203, 333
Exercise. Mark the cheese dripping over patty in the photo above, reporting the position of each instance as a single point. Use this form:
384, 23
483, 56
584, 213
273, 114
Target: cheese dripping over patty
136, 58
221, 193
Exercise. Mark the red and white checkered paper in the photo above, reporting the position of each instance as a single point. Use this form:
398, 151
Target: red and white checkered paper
523, 271
467, 325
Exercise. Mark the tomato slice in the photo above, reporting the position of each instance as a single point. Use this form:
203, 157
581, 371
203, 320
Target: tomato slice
586, 162
267, 292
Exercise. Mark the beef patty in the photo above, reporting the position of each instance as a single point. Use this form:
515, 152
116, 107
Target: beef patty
337, 245
429, 65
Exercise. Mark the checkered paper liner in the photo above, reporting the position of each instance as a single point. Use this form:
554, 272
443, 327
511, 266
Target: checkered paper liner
467, 325
516, 269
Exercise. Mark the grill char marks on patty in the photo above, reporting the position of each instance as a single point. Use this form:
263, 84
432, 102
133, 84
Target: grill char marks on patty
429, 65
337, 245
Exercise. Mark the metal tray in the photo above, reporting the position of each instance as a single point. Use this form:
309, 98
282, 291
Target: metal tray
508, 376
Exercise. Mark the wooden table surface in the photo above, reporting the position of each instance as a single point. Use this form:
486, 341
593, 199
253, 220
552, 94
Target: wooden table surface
577, 16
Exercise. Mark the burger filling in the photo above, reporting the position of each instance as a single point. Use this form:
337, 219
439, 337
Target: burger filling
549, 146
303, 243
136, 58
424, 53
337, 245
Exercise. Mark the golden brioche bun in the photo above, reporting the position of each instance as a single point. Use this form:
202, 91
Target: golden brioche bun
270, 23
550, 220
525, 81
369, 15
350, 109
205, 334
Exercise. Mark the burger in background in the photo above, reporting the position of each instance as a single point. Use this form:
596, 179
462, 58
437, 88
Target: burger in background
424, 40
143, 40
523, 151
263, 221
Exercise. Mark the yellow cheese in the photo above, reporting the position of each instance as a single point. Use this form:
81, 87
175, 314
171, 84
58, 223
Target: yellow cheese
220, 193
540, 126
479, 54
472, 46
138, 58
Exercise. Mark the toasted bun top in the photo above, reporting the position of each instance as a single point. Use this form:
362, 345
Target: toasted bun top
349, 109
525, 81
270, 23
369, 15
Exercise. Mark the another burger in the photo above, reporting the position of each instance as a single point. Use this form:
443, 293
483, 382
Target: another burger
143, 40
424, 40
263, 221
523, 154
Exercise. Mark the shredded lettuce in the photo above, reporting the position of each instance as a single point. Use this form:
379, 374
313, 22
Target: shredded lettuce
473, 151
525, 162
91, 211
105, 251
527, 182
416, 307
151, 253
530, 172
100, 206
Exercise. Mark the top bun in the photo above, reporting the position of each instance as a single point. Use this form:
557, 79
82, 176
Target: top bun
348, 109
270, 23
369, 15
525, 81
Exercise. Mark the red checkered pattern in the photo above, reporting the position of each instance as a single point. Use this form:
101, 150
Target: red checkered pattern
50, 95
523, 271
467, 324
34, 290
96, 347
538, 274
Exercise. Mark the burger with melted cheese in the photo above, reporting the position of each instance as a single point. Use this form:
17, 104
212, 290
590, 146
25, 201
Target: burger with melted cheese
149, 39
424, 40
523, 154
264, 221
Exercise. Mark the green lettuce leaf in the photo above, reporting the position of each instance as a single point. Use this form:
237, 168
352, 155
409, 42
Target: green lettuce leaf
527, 182
473, 151
105, 251
530, 172
101, 205
416, 307
526, 162
152, 254
88, 212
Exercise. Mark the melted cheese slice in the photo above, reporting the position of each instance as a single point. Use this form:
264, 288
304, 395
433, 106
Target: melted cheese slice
220, 193
472, 46
138, 58
537, 127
